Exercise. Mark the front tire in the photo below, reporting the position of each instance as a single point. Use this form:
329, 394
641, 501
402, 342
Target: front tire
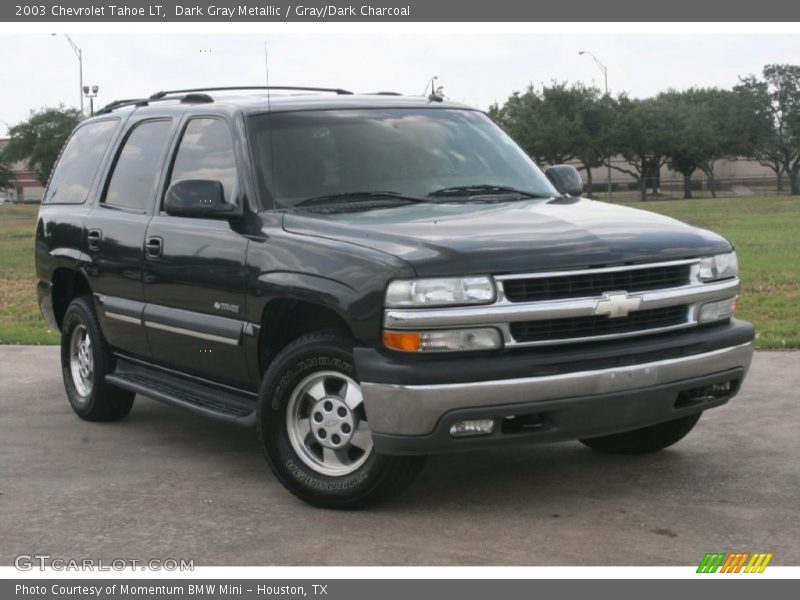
314, 430
86, 359
644, 440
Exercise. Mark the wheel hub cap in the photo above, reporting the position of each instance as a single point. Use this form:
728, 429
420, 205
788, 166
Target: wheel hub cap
333, 422
327, 423
81, 361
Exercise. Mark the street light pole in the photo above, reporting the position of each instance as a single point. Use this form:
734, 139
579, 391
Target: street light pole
604, 69
79, 53
91, 93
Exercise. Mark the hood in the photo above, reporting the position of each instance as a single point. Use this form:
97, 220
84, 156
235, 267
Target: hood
512, 237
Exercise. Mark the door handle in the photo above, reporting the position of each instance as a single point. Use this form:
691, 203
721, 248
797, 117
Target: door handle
93, 237
153, 247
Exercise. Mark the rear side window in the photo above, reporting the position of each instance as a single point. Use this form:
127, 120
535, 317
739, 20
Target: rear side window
206, 152
136, 172
80, 159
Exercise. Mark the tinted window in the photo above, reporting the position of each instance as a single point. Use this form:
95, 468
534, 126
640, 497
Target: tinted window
79, 161
138, 166
307, 154
206, 152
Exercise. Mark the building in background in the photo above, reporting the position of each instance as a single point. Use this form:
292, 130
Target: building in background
24, 187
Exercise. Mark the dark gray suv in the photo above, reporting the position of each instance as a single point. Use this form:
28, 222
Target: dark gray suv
367, 279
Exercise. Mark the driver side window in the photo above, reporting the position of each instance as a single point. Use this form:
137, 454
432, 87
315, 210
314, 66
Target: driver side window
206, 152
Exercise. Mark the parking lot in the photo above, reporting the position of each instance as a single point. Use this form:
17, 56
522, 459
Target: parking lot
168, 484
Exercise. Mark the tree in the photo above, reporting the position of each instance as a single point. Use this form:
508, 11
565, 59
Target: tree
6, 176
692, 140
595, 144
707, 124
559, 123
643, 133
775, 101
543, 122
39, 139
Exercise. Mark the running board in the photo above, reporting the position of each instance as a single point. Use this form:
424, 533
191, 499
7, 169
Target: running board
223, 405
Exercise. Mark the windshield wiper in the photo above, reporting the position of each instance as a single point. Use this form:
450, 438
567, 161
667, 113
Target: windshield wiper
357, 195
484, 190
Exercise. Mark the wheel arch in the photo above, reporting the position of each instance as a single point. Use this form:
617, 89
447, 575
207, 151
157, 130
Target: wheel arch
286, 318
67, 283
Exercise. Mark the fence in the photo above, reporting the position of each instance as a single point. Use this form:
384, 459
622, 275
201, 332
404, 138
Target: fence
669, 188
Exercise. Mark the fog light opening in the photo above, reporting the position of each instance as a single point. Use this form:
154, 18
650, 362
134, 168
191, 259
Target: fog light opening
718, 311
472, 427
707, 393
522, 423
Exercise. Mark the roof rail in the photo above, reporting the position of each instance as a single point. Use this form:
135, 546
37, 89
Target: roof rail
198, 95
187, 98
162, 94
119, 104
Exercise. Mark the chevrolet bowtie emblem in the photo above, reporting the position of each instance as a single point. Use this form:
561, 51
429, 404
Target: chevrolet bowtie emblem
617, 304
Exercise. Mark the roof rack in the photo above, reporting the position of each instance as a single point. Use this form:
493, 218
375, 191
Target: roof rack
198, 95
340, 91
186, 98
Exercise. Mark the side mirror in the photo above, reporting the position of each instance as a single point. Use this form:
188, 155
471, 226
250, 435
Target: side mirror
566, 179
199, 198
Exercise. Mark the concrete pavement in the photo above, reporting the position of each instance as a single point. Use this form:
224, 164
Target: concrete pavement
167, 484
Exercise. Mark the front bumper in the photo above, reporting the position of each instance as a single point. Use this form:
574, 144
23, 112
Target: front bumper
623, 387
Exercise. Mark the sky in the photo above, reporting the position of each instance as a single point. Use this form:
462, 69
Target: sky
477, 69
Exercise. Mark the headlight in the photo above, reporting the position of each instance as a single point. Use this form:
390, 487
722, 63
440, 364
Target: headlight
721, 266
405, 293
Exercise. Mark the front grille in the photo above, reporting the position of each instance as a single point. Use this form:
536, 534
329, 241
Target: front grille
579, 327
587, 285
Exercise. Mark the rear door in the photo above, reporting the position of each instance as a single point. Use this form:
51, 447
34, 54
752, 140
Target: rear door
115, 230
195, 267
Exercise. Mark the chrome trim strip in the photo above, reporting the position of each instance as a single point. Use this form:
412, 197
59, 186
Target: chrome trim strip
510, 342
123, 318
543, 274
415, 409
197, 334
508, 312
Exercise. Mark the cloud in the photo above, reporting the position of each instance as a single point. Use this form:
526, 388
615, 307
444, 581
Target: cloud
474, 68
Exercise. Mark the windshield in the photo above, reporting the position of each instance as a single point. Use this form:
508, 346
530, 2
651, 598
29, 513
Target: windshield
308, 156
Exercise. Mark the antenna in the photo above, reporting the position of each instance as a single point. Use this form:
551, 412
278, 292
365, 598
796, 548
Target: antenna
266, 68
266, 61
269, 109
431, 83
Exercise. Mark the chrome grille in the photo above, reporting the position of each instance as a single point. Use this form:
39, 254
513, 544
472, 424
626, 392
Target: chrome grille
585, 285
569, 307
596, 326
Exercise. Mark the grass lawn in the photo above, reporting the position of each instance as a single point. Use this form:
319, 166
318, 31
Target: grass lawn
766, 231
20, 320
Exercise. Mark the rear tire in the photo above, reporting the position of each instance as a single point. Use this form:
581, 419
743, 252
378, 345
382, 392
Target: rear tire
86, 359
314, 432
644, 440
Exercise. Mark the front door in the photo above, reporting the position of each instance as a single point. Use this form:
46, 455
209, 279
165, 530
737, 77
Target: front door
195, 268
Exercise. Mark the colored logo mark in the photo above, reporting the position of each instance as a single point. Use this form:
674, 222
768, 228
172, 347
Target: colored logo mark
735, 562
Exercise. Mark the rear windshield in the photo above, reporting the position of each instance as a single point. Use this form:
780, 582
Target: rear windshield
79, 161
309, 154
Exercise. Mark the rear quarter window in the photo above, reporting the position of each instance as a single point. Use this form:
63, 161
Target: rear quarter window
79, 161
